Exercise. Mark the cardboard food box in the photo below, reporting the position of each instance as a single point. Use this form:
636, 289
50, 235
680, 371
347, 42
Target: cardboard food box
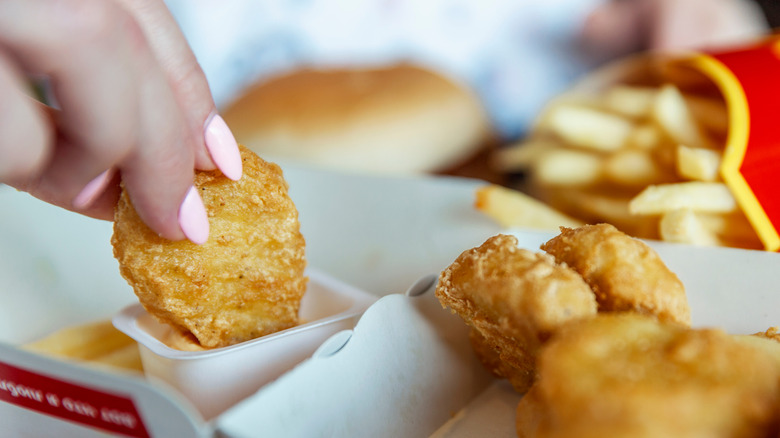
405, 369
401, 367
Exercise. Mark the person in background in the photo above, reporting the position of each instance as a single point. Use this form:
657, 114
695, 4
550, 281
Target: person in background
515, 54
621, 27
133, 103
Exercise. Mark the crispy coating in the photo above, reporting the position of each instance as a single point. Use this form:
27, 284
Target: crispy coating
519, 376
770, 333
768, 341
630, 375
514, 299
625, 273
246, 281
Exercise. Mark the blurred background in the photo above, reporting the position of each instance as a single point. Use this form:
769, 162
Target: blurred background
397, 86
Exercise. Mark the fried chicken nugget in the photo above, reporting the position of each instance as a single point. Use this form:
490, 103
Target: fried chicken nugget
513, 299
630, 375
624, 272
246, 281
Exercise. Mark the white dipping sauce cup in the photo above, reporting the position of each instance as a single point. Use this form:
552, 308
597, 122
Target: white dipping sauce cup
214, 380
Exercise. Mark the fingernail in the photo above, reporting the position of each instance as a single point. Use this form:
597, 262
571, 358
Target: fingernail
193, 220
223, 148
92, 191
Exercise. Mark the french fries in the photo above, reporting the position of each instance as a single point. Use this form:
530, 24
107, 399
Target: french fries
635, 102
671, 112
97, 342
697, 164
694, 195
645, 158
684, 226
511, 208
589, 128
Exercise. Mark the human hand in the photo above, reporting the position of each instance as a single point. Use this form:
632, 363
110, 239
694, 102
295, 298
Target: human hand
133, 104
620, 27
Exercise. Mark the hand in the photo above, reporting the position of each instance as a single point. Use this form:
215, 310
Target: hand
620, 27
132, 104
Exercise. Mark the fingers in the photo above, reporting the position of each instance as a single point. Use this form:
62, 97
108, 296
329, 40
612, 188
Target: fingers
153, 174
118, 110
90, 66
214, 144
25, 143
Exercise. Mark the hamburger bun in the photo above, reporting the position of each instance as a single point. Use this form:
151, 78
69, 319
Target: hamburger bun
400, 119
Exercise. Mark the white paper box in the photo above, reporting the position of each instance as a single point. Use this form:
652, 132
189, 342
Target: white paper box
215, 380
406, 368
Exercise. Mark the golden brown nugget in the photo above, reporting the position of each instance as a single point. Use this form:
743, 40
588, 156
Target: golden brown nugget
630, 375
246, 281
514, 298
624, 272
768, 341
490, 358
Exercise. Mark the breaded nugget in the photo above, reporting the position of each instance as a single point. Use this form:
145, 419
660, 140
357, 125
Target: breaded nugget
768, 341
246, 281
630, 375
514, 299
624, 272
770, 333
520, 377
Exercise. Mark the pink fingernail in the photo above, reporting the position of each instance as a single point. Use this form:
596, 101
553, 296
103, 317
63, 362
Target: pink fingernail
89, 194
193, 220
223, 148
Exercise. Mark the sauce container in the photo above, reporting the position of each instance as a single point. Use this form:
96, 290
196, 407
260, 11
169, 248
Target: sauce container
214, 380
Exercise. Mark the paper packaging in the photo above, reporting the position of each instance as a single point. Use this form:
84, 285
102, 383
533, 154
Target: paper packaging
412, 371
406, 366
746, 77
405, 370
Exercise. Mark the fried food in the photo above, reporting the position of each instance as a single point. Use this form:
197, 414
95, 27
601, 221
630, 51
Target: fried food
96, 342
628, 375
514, 299
246, 281
624, 272
519, 376
632, 152
513, 208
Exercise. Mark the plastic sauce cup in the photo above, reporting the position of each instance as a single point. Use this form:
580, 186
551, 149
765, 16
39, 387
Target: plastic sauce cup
214, 380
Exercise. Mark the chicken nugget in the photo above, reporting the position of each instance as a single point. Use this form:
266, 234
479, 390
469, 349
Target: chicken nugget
489, 356
624, 272
630, 375
514, 299
246, 281
768, 341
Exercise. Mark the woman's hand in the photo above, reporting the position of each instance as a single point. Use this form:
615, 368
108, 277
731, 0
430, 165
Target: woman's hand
132, 104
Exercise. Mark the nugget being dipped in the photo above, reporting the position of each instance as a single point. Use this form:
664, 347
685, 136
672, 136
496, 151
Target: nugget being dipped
513, 299
624, 272
246, 281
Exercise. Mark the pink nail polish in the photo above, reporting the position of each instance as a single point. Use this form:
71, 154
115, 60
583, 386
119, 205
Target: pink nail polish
89, 194
223, 148
193, 220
